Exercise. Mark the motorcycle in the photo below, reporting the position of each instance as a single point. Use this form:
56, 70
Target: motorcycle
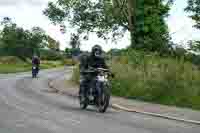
98, 93
34, 71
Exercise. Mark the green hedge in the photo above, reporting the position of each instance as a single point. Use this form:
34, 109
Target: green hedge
50, 55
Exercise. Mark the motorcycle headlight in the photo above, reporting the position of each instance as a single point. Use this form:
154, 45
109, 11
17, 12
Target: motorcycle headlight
106, 76
102, 78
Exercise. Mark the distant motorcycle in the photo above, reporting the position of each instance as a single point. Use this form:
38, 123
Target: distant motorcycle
98, 93
35, 71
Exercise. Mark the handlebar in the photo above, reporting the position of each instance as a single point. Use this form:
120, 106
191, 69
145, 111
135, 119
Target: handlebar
96, 70
99, 69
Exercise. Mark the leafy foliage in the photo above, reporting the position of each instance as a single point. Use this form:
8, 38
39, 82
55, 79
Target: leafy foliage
151, 29
194, 45
193, 8
52, 44
46, 54
75, 41
15, 41
19, 42
111, 16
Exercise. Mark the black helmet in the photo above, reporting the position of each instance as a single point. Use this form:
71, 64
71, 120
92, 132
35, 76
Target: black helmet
97, 51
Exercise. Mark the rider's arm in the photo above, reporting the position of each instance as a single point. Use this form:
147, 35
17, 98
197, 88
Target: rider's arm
83, 64
104, 64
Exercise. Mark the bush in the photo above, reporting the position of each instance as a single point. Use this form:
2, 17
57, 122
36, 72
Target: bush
50, 55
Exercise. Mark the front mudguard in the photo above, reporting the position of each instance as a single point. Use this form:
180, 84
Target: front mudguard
101, 87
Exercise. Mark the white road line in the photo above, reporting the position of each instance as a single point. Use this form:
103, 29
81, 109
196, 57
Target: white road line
155, 114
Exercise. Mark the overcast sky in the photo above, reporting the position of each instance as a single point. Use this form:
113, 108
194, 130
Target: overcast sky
180, 23
28, 13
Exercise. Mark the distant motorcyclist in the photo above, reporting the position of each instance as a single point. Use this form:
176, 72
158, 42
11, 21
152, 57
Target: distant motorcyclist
94, 60
36, 62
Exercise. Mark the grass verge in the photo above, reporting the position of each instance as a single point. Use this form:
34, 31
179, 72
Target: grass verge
14, 65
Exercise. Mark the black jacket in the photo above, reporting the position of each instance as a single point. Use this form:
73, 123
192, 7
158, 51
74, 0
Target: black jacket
36, 61
90, 61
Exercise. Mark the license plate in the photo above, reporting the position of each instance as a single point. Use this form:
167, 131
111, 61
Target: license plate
91, 98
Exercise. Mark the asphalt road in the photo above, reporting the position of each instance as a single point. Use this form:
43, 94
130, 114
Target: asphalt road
26, 106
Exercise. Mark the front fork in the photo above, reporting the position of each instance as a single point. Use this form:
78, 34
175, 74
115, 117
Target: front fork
99, 90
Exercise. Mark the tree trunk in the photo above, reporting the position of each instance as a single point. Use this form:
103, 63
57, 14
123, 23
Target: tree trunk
131, 19
129, 12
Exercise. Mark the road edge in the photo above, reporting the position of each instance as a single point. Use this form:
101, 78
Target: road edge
120, 107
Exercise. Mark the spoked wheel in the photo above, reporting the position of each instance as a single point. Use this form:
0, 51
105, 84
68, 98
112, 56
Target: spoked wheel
33, 75
83, 102
104, 100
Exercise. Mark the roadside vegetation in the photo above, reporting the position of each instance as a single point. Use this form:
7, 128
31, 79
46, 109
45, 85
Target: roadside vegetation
163, 80
18, 45
12, 64
150, 77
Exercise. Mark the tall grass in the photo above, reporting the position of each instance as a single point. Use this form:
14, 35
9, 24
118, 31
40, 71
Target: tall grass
152, 78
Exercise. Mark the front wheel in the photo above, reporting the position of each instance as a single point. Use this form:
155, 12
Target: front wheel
33, 75
83, 102
104, 99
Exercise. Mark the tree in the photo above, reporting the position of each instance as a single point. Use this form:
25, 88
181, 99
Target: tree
75, 44
144, 19
179, 52
151, 30
6, 21
194, 46
52, 44
38, 37
19, 42
13, 38
75, 41
193, 8
68, 52
57, 46
88, 16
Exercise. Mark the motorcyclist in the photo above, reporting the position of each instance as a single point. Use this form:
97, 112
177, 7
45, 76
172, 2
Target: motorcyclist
94, 60
36, 62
